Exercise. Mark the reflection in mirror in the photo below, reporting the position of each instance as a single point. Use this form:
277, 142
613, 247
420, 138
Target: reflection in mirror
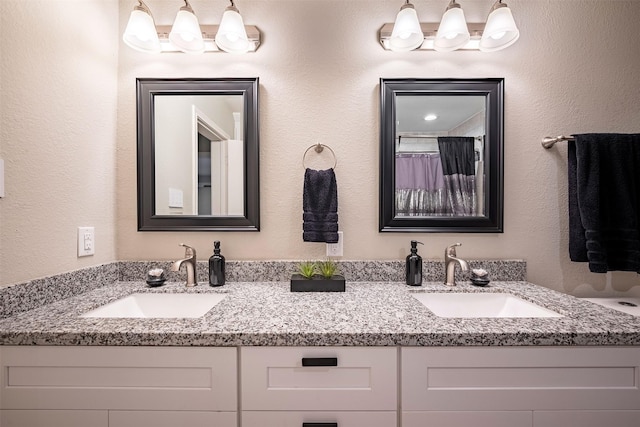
198, 154
441, 155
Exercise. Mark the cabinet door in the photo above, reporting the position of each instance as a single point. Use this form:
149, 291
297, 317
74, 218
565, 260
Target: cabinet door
318, 419
468, 419
520, 378
44, 418
172, 419
586, 418
329, 378
142, 378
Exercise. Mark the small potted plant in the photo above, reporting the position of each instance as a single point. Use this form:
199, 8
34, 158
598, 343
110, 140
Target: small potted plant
318, 276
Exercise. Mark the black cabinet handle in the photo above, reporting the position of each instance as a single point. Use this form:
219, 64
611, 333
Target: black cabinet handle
320, 361
319, 424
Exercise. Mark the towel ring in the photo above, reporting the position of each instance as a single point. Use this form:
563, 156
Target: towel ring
318, 149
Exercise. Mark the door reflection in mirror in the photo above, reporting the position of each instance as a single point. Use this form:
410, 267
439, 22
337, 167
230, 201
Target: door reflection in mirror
199, 155
439, 155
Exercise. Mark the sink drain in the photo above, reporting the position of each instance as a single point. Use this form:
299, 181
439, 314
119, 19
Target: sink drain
627, 304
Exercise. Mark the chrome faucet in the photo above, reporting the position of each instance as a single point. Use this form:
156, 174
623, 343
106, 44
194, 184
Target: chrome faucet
190, 260
450, 261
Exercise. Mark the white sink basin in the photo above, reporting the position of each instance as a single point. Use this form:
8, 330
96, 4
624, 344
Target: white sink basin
455, 304
158, 305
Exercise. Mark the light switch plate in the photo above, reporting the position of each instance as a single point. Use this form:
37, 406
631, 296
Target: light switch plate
86, 241
175, 198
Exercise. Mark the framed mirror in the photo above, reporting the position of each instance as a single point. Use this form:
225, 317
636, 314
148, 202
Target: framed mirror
198, 154
441, 155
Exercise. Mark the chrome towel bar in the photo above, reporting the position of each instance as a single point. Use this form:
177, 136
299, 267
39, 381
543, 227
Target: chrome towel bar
550, 141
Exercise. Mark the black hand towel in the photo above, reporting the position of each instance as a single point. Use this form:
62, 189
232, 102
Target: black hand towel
320, 206
604, 201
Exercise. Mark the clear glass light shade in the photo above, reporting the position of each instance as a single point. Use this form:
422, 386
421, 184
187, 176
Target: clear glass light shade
141, 33
500, 31
185, 33
407, 34
452, 32
231, 36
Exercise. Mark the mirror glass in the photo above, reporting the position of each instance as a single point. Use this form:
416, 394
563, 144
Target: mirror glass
441, 155
197, 154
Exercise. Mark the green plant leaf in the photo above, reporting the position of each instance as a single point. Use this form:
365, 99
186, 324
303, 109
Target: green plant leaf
307, 269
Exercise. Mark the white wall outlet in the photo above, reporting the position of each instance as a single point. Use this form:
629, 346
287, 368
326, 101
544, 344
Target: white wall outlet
335, 249
86, 241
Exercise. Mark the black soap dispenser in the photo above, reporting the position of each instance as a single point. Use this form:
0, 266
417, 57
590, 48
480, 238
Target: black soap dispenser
216, 266
414, 266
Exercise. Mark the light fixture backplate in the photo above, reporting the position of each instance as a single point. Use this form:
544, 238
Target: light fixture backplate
208, 35
430, 29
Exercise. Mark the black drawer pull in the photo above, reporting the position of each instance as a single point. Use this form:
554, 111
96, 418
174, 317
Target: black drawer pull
319, 424
320, 361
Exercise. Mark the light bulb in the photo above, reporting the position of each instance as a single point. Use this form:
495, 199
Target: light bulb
500, 31
185, 33
407, 34
141, 33
452, 31
232, 36
498, 36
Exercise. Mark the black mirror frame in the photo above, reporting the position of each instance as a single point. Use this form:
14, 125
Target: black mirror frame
146, 90
493, 90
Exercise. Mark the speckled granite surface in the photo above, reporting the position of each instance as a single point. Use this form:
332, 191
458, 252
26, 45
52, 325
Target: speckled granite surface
26, 296
368, 313
355, 271
38, 292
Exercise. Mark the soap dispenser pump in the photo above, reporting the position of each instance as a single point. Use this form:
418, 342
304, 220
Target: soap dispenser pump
216, 266
414, 266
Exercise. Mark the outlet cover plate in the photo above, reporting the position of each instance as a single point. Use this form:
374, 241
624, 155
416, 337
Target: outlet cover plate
86, 241
335, 249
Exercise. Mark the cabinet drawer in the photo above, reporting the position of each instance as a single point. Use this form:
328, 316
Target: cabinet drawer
520, 378
468, 418
143, 378
172, 419
319, 419
274, 378
44, 418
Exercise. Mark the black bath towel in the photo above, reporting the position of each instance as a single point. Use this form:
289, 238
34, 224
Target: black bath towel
320, 206
604, 201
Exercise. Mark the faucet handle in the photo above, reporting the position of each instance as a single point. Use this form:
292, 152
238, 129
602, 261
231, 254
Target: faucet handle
188, 250
451, 250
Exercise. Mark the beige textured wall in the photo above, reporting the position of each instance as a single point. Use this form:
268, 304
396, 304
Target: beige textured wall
58, 110
575, 69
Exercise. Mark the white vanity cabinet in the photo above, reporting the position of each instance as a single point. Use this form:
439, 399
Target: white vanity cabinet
520, 386
118, 386
318, 386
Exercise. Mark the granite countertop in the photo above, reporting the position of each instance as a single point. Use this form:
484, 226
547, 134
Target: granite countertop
367, 314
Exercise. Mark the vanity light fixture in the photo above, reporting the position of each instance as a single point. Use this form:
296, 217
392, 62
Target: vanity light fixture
454, 33
187, 35
406, 34
501, 30
231, 36
140, 33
